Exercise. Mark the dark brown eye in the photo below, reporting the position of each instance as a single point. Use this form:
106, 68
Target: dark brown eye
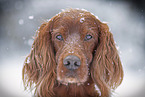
88, 37
59, 37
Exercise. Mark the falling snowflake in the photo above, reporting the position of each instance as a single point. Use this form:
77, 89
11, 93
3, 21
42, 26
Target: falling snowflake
31, 17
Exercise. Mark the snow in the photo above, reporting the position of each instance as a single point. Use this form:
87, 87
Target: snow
48, 20
129, 35
82, 20
98, 90
71, 52
117, 47
28, 60
104, 22
84, 10
21, 21
97, 17
30, 42
108, 73
81, 14
63, 10
11, 78
133, 82
31, 17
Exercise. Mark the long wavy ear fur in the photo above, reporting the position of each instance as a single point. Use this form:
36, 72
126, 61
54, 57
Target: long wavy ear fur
107, 72
39, 66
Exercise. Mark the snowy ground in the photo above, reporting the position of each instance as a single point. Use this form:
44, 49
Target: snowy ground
11, 78
20, 20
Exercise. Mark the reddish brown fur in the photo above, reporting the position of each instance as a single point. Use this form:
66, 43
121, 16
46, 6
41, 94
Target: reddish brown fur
100, 62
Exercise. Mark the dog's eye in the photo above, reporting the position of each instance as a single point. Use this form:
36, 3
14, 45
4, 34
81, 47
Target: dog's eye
88, 37
59, 37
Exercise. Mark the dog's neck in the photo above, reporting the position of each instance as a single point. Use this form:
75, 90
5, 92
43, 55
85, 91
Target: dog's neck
73, 90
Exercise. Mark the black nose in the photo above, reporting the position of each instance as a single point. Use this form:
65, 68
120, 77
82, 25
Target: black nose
72, 62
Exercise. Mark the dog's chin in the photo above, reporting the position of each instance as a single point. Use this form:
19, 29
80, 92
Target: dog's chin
70, 80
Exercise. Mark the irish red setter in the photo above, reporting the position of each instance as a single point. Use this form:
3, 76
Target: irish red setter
73, 55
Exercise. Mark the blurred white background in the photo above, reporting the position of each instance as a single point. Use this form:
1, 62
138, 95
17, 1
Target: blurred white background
19, 20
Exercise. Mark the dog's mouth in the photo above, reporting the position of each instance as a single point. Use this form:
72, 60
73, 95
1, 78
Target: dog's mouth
71, 80
71, 77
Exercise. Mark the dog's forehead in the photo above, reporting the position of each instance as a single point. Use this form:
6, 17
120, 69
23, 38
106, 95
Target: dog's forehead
75, 21
74, 17
73, 25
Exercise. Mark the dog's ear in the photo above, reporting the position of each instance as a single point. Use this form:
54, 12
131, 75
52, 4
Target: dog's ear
39, 66
106, 69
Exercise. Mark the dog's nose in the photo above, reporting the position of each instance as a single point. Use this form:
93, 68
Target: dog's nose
72, 62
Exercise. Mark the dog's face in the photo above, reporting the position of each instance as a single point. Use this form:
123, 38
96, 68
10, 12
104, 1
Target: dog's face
74, 37
73, 48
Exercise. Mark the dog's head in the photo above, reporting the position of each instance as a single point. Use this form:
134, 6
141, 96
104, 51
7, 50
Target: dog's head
71, 48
